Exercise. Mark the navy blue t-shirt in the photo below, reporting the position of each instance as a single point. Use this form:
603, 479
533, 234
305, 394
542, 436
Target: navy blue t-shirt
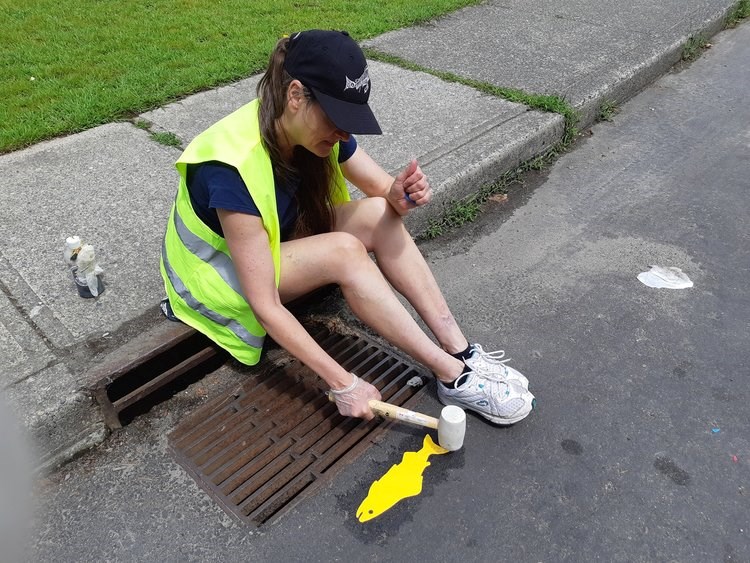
214, 185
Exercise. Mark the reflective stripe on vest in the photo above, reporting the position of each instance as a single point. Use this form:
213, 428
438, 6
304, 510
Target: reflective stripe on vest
239, 331
217, 259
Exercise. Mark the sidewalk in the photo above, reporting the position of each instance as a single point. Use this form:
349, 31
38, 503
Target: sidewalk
113, 185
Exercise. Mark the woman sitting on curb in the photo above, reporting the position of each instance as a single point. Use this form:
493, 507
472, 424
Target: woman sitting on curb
263, 216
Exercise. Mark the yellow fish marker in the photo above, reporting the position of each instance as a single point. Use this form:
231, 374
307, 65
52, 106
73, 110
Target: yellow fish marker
401, 481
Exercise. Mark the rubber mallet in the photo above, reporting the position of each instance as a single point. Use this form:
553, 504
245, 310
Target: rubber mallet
451, 426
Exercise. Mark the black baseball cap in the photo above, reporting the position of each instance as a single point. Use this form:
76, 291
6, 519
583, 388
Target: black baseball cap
333, 67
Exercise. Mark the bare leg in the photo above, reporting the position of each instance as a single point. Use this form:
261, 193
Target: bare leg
382, 231
341, 258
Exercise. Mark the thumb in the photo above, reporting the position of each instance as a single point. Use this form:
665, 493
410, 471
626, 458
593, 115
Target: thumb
408, 171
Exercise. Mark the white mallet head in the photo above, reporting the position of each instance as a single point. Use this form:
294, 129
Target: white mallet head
451, 428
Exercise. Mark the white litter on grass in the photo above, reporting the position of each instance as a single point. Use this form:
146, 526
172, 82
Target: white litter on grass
665, 277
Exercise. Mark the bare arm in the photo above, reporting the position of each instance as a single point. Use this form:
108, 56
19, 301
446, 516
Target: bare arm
251, 255
408, 190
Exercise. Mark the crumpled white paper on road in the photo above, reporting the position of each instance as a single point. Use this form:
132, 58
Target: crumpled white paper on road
665, 277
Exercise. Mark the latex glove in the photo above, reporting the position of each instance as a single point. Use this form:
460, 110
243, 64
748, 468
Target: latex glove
352, 400
410, 189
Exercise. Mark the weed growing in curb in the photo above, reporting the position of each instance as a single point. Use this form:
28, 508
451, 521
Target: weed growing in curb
455, 213
693, 47
537, 163
142, 124
606, 111
740, 11
166, 138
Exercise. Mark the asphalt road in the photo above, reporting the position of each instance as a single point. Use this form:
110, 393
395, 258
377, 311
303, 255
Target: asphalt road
639, 449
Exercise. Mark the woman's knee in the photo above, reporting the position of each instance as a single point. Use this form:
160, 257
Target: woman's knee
311, 262
346, 250
371, 220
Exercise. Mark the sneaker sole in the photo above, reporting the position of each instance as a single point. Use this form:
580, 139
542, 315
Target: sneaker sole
500, 421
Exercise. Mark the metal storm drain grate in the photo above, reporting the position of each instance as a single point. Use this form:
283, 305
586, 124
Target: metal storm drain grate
260, 449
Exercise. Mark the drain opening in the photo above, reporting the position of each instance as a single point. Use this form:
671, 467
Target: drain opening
150, 369
263, 447
144, 373
157, 391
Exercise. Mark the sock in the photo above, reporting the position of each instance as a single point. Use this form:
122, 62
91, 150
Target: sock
460, 380
463, 354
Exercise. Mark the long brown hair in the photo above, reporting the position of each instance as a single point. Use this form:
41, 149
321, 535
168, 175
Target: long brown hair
315, 174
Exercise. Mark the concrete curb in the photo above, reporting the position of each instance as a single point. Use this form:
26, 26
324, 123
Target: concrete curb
639, 77
531, 134
60, 423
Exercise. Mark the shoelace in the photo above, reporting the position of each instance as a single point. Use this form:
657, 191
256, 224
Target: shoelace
495, 357
486, 360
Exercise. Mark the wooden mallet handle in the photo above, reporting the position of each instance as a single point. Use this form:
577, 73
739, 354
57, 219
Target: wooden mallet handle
393, 412
400, 413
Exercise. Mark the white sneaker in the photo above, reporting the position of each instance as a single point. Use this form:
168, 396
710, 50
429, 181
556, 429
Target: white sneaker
499, 401
492, 364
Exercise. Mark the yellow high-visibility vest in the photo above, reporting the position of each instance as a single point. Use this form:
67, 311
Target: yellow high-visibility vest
198, 272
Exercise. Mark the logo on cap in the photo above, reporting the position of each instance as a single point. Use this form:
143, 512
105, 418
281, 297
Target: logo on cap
363, 82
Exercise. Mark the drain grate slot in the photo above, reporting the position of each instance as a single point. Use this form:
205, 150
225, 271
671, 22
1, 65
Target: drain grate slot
261, 448
149, 368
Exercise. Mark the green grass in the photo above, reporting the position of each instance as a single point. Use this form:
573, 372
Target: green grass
166, 138
740, 11
68, 65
